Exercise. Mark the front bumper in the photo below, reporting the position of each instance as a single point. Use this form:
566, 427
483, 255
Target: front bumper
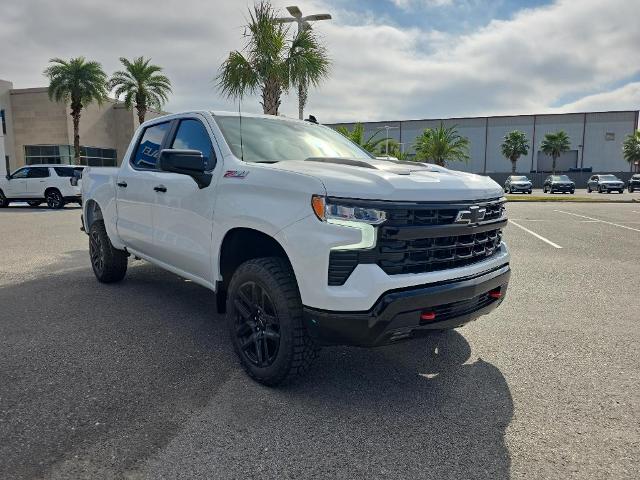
521, 188
397, 313
563, 188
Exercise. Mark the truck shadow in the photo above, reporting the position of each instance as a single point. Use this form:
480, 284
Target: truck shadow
112, 373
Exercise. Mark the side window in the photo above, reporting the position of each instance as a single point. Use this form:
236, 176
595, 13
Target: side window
64, 171
21, 173
38, 172
148, 150
192, 135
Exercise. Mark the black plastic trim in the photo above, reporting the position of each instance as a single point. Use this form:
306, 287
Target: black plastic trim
396, 314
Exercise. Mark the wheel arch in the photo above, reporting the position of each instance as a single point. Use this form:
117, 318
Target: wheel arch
49, 189
92, 212
239, 245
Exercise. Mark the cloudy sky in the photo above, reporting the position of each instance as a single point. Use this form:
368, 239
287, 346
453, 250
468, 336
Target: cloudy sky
392, 59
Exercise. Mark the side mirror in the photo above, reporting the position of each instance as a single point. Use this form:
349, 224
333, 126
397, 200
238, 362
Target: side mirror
186, 162
8, 176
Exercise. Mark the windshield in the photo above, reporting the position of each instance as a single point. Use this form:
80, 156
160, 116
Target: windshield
519, 179
561, 178
608, 177
267, 140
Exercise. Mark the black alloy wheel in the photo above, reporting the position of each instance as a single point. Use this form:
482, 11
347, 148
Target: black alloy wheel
257, 324
54, 199
97, 252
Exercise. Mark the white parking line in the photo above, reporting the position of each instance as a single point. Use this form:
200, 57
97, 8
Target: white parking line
598, 220
554, 245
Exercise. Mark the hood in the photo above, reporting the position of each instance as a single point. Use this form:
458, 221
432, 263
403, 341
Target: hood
520, 182
393, 180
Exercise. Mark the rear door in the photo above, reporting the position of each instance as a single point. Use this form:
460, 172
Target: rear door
38, 179
183, 212
134, 189
16, 186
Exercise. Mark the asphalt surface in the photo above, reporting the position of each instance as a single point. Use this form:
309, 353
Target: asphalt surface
138, 380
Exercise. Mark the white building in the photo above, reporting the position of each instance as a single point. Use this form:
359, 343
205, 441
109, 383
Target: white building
596, 139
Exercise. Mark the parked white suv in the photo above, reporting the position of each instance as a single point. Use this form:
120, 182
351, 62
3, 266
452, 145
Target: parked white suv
306, 239
55, 184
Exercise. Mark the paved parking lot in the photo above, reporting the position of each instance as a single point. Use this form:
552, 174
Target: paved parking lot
582, 193
137, 380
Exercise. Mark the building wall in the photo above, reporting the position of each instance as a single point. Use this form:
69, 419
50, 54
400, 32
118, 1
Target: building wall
596, 138
36, 120
33, 119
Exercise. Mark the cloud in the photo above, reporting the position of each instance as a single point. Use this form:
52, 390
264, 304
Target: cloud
381, 71
408, 4
626, 97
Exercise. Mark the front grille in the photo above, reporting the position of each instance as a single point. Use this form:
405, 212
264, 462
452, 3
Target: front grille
419, 239
432, 254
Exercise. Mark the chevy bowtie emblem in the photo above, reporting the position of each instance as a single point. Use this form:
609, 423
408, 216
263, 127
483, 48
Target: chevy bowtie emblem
475, 214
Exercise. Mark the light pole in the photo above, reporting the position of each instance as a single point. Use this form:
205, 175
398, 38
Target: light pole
387, 128
303, 24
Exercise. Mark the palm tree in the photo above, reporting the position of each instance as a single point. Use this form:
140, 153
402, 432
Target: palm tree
271, 63
440, 145
141, 83
515, 144
554, 145
373, 145
77, 81
631, 149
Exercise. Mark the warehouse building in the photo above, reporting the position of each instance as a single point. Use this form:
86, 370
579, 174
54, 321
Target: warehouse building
38, 130
596, 140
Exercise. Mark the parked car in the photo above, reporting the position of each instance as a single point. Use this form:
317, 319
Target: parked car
518, 183
634, 183
558, 183
605, 183
306, 239
35, 184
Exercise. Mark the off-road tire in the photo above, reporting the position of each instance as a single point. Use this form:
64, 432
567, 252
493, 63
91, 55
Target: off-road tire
109, 264
54, 199
3, 200
296, 351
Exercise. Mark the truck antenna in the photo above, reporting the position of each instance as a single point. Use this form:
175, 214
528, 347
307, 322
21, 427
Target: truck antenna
240, 115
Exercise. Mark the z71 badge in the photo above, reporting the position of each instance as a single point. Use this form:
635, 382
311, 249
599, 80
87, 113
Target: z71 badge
236, 173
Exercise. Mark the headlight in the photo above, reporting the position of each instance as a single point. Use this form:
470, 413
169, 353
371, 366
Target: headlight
326, 212
363, 219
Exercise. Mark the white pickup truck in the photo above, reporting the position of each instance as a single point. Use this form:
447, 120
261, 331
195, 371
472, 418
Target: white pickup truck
306, 239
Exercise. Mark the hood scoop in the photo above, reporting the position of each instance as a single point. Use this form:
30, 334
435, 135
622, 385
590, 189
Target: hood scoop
384, 166
341, 161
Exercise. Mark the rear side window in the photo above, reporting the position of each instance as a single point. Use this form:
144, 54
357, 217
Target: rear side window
38, 172
148, 150
64, 171
192, 135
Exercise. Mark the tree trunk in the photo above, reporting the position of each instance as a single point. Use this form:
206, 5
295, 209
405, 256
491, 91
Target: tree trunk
513, 165
553, 164
76, 107
271, 92
142, 112
302, 100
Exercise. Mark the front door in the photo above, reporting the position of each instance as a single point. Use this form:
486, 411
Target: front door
183, 212
16, 186
134, 190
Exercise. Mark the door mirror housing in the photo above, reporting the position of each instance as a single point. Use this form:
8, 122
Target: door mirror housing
186, 162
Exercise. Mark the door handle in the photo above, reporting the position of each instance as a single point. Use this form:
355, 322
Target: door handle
160, 188
122, 184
